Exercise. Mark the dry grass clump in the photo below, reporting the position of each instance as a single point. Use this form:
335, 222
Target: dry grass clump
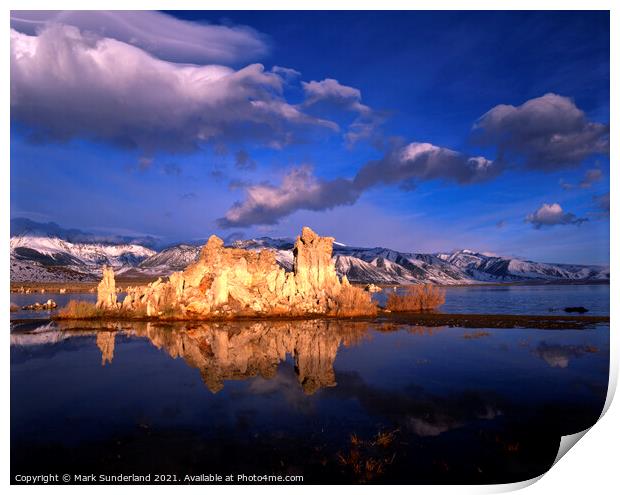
424, 297
353, 301
385, 438
79, 310
83, 310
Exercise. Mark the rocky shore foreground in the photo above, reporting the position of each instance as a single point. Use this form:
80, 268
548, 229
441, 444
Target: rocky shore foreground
231, 282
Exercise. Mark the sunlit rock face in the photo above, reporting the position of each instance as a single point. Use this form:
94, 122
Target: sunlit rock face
315, 270
229, 282
106, 290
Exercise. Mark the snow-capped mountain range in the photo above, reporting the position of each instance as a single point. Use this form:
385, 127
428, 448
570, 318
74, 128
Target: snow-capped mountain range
45, 258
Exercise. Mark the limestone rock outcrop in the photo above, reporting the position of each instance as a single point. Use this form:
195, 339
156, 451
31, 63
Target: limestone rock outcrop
231, 282
106, 290
50, 304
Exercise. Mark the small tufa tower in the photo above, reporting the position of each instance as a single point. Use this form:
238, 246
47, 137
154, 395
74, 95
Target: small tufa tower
314, 267
106, 290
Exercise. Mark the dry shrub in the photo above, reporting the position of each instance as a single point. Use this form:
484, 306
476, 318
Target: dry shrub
14, 307
424, 297
369, 459
353, 301
82, 310
78, 310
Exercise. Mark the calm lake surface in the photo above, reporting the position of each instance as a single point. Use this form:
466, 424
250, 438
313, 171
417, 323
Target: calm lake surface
334, 401
484, 299
521, 299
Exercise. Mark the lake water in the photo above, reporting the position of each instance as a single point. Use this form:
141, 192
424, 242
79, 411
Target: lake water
521, 299
485, 299
333, 401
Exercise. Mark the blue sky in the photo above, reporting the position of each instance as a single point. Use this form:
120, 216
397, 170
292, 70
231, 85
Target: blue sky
420, 131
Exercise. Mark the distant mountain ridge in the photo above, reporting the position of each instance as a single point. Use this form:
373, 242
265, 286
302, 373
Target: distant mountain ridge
48, 259
25, 227
41, 258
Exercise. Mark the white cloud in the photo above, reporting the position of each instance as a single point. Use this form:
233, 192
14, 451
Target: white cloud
265, 204
287, 73
160, 34
424, 161
330, 92
66, 83
552, 214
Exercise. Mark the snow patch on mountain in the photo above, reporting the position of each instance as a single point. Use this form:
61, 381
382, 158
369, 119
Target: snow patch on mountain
51, 259
56, 251
484, 267
172, 259
35, 258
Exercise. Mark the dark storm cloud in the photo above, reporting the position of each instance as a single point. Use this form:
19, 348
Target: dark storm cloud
549, 215
66, 83
545, 133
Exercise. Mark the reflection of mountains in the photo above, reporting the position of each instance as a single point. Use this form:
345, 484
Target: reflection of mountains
236, 351
559, 356
241, 350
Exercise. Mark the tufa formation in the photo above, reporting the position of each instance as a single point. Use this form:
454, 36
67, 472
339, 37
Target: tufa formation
231, 282
106, 290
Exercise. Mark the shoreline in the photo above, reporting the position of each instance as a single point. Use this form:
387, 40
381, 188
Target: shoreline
123, 283
461, 320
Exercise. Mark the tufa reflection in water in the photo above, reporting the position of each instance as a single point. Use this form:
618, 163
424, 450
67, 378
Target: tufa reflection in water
412, 404
224, 351
105, 342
